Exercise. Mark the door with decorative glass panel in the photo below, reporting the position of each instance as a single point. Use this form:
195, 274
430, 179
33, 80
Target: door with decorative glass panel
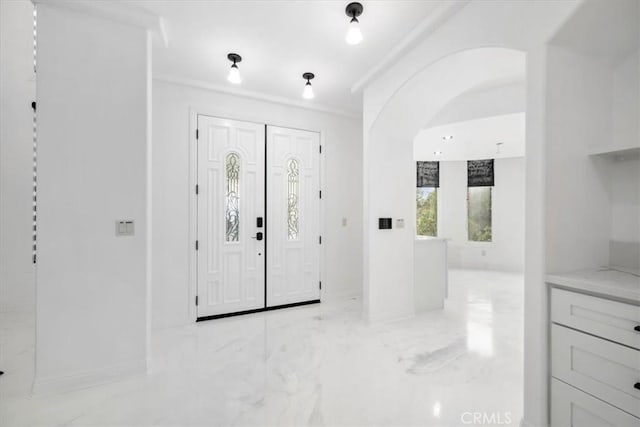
247, 260
230, 245
293, 213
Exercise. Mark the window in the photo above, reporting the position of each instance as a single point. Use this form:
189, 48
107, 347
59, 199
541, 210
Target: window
427, 183
293, 181
479, 214
427, 211
480, 180
232, 205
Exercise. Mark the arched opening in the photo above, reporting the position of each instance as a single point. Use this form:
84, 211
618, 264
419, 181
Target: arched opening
483, 85
388, 257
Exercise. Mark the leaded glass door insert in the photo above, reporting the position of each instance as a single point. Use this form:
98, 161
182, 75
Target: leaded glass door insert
232, 197
293, 199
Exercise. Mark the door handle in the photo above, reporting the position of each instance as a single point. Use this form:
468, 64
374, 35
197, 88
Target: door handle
258, 236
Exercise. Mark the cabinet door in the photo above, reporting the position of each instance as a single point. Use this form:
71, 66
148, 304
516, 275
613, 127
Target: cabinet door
601, 368
612, 320
571, 407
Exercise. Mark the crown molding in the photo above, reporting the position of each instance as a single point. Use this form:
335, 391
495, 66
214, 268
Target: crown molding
115, 11
441, 14
198, 84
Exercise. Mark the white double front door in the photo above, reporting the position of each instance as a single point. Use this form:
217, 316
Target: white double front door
258, 216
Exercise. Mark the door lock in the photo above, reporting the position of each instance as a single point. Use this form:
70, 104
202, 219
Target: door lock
258, 236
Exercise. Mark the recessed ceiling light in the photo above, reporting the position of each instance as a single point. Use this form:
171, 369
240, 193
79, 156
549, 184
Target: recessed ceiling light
447, 137
437, 153
307, 93
234, 72
354, 35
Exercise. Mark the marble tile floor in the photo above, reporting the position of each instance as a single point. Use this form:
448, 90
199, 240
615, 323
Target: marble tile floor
312, 365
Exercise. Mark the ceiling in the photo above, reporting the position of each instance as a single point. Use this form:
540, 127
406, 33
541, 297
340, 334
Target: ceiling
278, 41
473, 139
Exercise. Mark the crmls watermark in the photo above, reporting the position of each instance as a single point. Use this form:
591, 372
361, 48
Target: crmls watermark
486, 418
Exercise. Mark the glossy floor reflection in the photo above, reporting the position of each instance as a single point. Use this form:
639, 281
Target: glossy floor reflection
313, 365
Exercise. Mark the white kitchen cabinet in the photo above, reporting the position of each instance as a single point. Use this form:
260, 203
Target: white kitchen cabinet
611, 320
571, 407
595, 354
604, 369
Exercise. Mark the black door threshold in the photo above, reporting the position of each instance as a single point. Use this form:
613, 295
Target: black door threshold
257, 310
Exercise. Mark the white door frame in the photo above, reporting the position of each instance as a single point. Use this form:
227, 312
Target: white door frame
194, 112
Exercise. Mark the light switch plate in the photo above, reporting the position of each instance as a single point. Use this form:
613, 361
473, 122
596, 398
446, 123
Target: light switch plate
125, 228
400, 223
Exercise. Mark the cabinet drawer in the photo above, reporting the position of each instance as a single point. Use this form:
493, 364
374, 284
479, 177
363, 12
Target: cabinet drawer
571, 407
612, 320
604, 369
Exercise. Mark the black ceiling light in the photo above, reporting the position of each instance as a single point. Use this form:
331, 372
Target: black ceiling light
354, 35
234, 72
307, 93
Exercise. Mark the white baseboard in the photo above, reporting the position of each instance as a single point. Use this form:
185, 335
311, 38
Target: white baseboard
342, 295
81, 380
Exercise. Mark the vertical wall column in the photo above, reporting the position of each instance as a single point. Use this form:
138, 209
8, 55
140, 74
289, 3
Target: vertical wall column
17, 92
535, 291
389, 184
93, 134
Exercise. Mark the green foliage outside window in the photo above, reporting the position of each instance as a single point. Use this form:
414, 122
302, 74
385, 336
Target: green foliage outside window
427, 211
479, 214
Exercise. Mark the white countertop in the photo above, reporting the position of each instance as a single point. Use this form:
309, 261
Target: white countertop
602, 281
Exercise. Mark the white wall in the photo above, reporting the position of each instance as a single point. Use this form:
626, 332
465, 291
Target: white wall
625, 173
625, 113
579, 102
341, 190
536, 311
506, 251
92, 163
625, 200
473, 139
17, 91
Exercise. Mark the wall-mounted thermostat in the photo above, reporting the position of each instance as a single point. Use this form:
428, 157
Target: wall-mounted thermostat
385, 224
400, 223
124, 228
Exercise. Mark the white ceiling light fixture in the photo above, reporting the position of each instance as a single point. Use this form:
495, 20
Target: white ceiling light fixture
447, 138
354, 35
307, 93
234, 72
437, 153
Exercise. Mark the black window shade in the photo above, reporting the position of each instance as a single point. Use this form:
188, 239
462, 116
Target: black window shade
480, 173
428, 174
